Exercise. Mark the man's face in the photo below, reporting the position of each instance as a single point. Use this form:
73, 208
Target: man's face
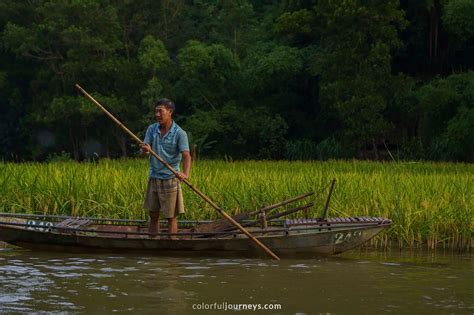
162, 114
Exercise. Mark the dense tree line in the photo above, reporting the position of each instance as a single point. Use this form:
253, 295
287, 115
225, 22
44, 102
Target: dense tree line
289, 79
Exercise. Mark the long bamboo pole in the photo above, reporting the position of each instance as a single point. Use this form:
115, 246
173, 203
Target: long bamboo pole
197, 191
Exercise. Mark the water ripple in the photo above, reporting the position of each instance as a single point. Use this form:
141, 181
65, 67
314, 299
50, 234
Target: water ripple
70, 283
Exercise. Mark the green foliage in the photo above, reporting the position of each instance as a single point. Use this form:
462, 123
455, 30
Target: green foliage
270, 69
300, 150
296, 79
69, 37
457, 142
152, 54
354, 63
438, 101
63, 108
412, 149
208, 74
3, 79
330, 148
61, 157
271, 136
153, 91
294, 23
306, 149
239, 132
446, 106
154, 58
228, 22
203, 123
458, 18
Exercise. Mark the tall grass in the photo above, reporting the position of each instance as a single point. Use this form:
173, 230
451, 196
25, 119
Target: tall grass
429, 203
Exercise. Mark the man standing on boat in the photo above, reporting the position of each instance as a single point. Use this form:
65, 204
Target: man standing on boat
170, 142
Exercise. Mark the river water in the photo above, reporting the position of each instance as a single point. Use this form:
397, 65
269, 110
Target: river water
357, 282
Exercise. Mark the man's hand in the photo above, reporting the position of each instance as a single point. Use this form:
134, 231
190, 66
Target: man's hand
182, 176
145, 148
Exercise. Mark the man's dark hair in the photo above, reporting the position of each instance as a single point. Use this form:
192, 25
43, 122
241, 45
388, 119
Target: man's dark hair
166, 103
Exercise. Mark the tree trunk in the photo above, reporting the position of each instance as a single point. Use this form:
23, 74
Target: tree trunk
194, 153
434, 35
374, 148
123, 145
107, 147
75, 145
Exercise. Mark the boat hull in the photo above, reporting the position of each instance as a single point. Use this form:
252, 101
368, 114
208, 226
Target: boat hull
305, 239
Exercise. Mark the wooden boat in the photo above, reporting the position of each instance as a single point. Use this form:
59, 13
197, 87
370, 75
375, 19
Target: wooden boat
285, 237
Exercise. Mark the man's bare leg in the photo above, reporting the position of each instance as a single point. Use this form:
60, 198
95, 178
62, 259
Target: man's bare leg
172, 227
154, 227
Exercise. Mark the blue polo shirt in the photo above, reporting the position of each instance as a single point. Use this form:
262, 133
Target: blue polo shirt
168, 147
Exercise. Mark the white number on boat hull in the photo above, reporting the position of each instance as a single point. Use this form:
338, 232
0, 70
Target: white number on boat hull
341, 237
39, 225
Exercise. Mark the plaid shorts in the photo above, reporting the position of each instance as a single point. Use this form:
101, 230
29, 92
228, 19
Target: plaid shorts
165, 195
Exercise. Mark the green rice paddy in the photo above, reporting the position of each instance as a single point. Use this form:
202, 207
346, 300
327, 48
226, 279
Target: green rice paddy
429, 203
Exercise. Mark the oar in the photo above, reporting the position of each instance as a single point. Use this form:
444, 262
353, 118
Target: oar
197, 191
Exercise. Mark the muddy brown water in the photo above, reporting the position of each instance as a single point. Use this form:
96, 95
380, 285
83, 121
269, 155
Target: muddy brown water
357, 282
